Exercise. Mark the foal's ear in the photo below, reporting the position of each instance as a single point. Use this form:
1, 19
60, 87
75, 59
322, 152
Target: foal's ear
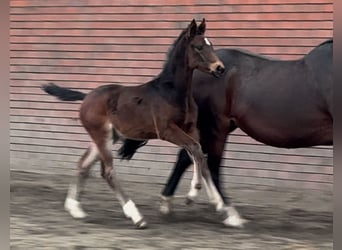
191, 31
201, 27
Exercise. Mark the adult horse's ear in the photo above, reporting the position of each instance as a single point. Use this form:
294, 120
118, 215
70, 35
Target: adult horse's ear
201, 27
192, 28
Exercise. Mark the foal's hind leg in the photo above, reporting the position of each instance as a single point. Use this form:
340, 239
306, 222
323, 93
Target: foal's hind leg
72, 202
128, 206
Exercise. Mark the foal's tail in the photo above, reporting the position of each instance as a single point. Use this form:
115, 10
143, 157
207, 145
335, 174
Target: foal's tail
62, 93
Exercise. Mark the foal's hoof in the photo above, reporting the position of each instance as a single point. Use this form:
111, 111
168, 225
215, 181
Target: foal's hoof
74, 208
235, 221
142, 224
165, 208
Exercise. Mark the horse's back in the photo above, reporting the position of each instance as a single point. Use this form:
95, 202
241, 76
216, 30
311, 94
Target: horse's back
281, 103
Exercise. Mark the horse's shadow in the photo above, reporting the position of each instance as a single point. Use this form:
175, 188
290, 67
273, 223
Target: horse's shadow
271, 221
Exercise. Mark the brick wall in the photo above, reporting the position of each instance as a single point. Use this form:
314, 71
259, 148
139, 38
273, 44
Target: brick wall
84, 44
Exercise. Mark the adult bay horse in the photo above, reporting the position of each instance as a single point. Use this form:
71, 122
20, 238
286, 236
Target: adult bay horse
163, 108
285, 104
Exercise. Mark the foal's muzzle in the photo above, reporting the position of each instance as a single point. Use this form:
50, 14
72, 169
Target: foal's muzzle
218, 71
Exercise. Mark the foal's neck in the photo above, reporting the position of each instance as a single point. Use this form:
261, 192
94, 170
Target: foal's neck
179, 72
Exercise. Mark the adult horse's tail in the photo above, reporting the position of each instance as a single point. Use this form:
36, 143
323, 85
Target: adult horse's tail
62, 93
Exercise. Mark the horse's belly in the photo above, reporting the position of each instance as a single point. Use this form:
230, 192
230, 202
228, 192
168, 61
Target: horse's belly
292, 134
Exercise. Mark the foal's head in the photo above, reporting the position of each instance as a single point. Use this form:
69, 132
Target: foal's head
200, 50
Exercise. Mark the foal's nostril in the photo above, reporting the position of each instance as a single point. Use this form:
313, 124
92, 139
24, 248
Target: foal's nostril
219, 69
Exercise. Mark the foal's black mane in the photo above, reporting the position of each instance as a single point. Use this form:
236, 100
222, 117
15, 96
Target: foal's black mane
165, 80
171, 61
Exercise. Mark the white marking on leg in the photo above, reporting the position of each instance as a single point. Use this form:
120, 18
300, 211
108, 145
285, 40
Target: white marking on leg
210, 194
234, 219
213, 194
72, 205
193, 192
132, 212
165, 205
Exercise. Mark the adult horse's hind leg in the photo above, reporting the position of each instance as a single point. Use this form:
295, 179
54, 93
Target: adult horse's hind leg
72, 202
105, 154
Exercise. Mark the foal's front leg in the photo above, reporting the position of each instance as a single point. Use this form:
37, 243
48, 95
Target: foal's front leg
190, 142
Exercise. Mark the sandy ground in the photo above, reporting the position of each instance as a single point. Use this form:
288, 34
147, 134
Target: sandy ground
279, 218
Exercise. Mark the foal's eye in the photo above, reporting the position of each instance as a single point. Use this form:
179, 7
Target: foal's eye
198, 47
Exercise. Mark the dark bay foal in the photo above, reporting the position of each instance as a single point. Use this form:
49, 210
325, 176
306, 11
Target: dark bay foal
163, 108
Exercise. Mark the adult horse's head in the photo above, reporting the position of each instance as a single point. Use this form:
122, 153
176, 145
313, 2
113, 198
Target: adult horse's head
201, 54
